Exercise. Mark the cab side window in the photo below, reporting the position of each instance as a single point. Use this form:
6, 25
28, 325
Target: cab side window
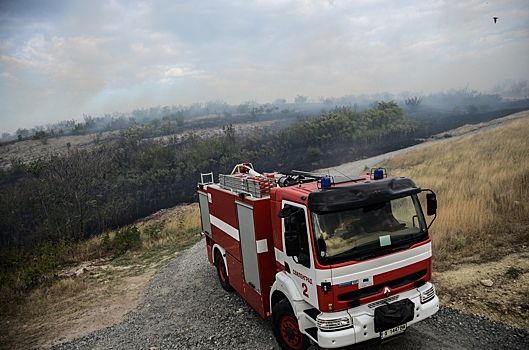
298, 223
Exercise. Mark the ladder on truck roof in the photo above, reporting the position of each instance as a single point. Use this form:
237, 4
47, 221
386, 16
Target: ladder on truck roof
257, 187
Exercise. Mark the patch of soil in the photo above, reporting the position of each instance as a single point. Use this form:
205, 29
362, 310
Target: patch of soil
83, 301
106, 308
497, 291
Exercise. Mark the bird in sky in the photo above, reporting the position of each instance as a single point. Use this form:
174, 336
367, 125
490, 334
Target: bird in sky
495, 19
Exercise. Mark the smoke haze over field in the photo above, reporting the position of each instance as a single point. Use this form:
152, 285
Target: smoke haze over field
60, 58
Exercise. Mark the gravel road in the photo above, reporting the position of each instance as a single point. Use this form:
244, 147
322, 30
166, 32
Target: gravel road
184, 307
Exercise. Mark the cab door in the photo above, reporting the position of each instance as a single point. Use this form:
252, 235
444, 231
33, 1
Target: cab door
298, 259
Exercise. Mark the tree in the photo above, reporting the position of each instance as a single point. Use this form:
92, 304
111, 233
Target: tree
243, 108
413, 102
22, 132
328, 101
300, 99
178, 117
518, 87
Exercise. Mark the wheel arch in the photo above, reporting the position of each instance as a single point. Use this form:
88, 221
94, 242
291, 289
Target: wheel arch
222, 252
284, 288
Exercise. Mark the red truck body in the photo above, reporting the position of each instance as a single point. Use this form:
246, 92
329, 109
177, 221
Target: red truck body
276, 239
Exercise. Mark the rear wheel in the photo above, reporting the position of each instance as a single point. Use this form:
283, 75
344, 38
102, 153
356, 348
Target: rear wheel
222, 273
286, 327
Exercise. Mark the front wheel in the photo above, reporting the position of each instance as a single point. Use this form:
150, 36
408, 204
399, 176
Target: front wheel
222, 273
286, 328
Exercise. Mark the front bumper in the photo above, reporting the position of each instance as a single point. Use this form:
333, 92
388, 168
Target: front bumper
363, 320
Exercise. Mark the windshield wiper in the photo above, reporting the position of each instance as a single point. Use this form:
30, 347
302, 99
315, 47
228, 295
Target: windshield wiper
365, 256
400, 247
356, 255
410, 238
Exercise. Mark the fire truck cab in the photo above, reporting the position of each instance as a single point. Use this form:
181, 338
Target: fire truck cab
333, 260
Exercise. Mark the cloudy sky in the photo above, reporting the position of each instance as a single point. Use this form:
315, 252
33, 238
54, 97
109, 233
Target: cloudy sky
62, 58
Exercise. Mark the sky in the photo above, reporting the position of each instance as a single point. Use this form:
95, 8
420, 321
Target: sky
60, 59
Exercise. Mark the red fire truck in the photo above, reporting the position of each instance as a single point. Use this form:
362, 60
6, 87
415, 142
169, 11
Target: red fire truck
333, 260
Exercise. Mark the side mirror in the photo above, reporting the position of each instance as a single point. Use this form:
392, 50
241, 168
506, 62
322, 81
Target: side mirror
288, 211
291, 236
431, 204
291, 243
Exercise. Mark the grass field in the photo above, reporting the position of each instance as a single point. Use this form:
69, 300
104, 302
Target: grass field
482, 186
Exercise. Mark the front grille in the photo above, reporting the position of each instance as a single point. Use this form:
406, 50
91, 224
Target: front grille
365, 292
378, 303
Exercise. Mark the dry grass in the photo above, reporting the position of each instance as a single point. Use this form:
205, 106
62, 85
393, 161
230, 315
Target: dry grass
482, 186
175, 231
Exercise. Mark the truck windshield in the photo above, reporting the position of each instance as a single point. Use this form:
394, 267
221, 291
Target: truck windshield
374, 230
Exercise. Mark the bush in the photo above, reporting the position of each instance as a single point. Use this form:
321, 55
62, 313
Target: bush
459, 241
472, 109
126, 239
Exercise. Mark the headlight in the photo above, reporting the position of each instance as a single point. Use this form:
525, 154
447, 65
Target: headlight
334, 324
427, 295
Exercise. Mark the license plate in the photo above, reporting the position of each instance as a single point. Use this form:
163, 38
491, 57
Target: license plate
390, 332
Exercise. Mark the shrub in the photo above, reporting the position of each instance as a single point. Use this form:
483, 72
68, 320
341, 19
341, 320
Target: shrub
125, 239
105, 241
459, 241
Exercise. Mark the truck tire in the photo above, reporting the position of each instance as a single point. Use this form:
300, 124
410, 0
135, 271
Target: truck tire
286, 328
222, 273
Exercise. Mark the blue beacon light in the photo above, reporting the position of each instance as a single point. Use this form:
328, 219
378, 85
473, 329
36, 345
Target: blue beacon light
325, 182
378, 174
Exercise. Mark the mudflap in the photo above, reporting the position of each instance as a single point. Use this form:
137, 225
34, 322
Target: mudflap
392, 315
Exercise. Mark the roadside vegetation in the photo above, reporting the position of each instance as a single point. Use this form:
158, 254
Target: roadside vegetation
482, 186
